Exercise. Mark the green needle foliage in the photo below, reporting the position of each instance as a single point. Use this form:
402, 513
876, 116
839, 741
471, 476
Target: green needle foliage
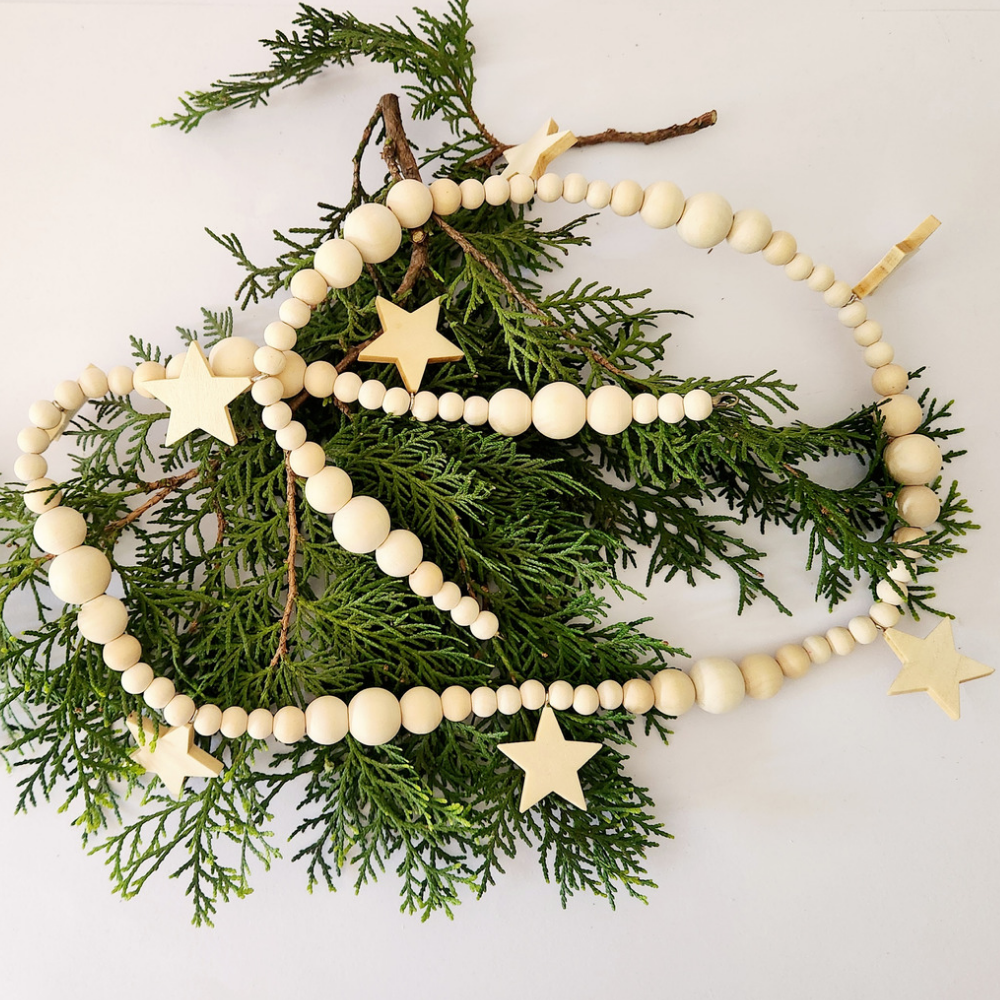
537, 530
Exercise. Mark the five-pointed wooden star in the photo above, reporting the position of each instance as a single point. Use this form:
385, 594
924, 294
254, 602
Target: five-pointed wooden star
198, 400
175, 758
410, 340
534, 156
550, 763
933, 665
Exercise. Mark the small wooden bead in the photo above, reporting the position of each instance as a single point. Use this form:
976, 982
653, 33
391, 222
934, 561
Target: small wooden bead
705, 221
120, 380
818, 648
260, 724
447, 196
102, 620
838, 294
297, 313
889, 380
637, 696
673, 692
456, 703
69, 395
371, 394
424, 406
39, 496
60, 530
510, 412
307, 460
396, 401
841, 640
901, 414
879, 354
508, 696
644, 408
326, 720
559, 410
426, 580
549, 187
913, 459
670, 408
611, 693
451, 406
400, 554
280, 335
276, 416
28, 468
269, 361
179, 710
293, 375
901, 573
33, 440
561, 695
799, 267
234, 722
890, 592
853, 314
420, 710
308, 285
911, 536
626, 198
780, 249
160, 693
532, 695
718, 684
884, 614
347, 387
266, 391
79, 575
522, 189
868, 333
339, 263
477, 411
361, 525
447, 596
762, 675
485, 626
750, 232
598, 194
465, 612
574, 188
918, 506
484, 702
44, 414
232, 357
137, 678
662, 204
411, 202
863, 629
175, 366
147, 371
122, 652
821, 279
375, 231
93, 382
609, 409
319, 379
586, 700
697, 404
289, 724
374, 716
793, 660
208, 720
497, 190
473, 193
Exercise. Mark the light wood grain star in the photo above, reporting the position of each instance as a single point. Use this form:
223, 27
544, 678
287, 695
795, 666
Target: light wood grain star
175, 758
410, 341
550, 763
534, 156
197, 399
933, 665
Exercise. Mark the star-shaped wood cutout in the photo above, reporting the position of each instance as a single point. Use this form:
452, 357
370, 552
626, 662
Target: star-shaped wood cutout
410, 341
197, 399
175, 758
933, 665
550, 763
534, 156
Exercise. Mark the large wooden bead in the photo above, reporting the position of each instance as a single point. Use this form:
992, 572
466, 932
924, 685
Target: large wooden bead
44, 414
918, 506
465, 612
60, 530
69, 395
559, 410
447, 196
374, 716
295, 312
426, 580
821, 279
670, 408
411, 202
626, 198
586, 700
339, 262
662, 204
456, 703
705, 221
497, 190
561, 695
266, 391
400, 554
598, 194
260, 724
329, 490
477, 411
673, 692
447, 598
420, 710
375, 231
208, 720
901, 414
574, 188
762, 675
40, 495
268, 361
750, 231
289, 724
644, 408
485, 626
611, 693
361, 525
510, 412
484, 702
307, 460
79, 575
396, 401
33, 440
147, 371
718, 684
119, 381
793, 660
891, 592
326, 720
637, 696
122, 652
522, 189
889, 379
292, 375
532, 694
609, 409
780, 249
232, 357
698, 404
508, 696
103, 619
308, 285
280, 335
319, 379
276, 416
473, 193
913, 459
179, 710
347, 387
234, 722
885, 614
137, 678
93, 382
28, 468
549, 188
451, 407
818, 648
424, 406
160, 693
799, 267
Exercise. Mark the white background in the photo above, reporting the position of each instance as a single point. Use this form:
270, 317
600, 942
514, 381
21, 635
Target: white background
831, 842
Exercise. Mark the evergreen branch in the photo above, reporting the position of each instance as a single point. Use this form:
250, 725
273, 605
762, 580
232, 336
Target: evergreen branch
293, 589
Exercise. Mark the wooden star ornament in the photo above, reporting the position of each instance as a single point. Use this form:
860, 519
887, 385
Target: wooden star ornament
534, 156
933, 665
197, 399
175, 757
550, 763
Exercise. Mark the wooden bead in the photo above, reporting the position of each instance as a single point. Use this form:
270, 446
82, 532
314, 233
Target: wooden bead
863, 629
179, 710
448, 596
33, 440
901, 414
697, 404
93, 382
890, 592
485, 626
497, 190
295, 312
120, 380
522, 189
644, 408
853, 314
510, 412
451, 406
361, 525
718, 684
508, 696
60, 530
477, 411
396, 401
44, 414
549, 187
611, 693
821, 279
447, 196
473, 193
877, 355
291, 436
175, 365
574, 188
269, 361
102, 620
28, 468
889, 380
411, 202
69, 395
559, 410
276, 416
375, 231
232, 357
147, 371
260, 724
121, 652
137, 678
912, 537
673, 692
307, 460
818, 648
347, 387
793, 660
913, 459
339, 263
326, 720
750, 232
840, 639
484, 702
208, 720
280, 335
160, 693
561, 695
293, 375
838, 294
762, 675
266, 391
705, 221
456, 703
637, 696
586, 700
319, 379
598, 194
901, 573
424, 406
609, 409
780, 249
289, 724
868, 333
426, 580
799, 267
79, 575
918, 506
400, 554
234, 722
626, 198
662, 204
420, 710
670, 408
886, 615
465, 612
39, 496
309, 285
532, 695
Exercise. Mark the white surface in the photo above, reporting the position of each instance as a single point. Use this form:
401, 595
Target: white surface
829, 843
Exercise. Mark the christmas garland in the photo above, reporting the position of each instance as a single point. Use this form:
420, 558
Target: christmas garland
391, 715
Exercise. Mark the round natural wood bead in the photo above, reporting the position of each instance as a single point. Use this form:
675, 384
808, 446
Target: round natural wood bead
559, 410
793, 660
33, 440
396, 401
375, 231
420, 710
347, 387
326, 720
159, 694
295, 312
473, 193
863, 629
280, 335
644, 408
319, 379
447, 598
120, 380
93, 382
799, 267
510, 412
841, 640
266, 391
208, 720
232, 357
561, 695
456, 703
586, 700
889, 380
476, 411
697, 404
424, 406
400, 554
662, 204
750, 232
329, 490
179, 710
838, 294
598, 194
574, 188
878, 355
626, 198
484, 702
532, 695
308, 285
818, 648
293, 376
718, 684
609, 409
670, 408
307, 460
891, 592
289, 724
853, 314
371, 394
762, 675
447, 196
426, 580
44, 414
374, 716
147, 371
59, 530
451, 407
276, 416
121, 652
465, 612
868, 333
886, 615
137, 678
411, 202
28, 468
901, 573
913, 459
522, 189
911, 536
79, 575
260, 724
361, 525
497, 190
705, 221
637, 696
549, 187
780, 249
901, 414
918, 506
234, 722
611, 693
269, 361
673, 691
821, 279
508, 697
339, 263
485, 626
39, 496
102, 620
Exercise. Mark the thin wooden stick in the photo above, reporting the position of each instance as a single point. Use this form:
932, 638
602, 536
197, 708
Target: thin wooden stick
293, 540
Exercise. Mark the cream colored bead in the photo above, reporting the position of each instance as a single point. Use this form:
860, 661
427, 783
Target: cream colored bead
561, 695
456, 703
308, 285
260, 724
863, 629
637, 696
644, 409
476, 411
396, 401
137, 678
522, 189
705, 221
918, 506
147, 371
40, 497
208, 720
497, 190
291, 436
102, 620
347, 387
326, 720
484, 702
120, 380
718, 684
762, 676
508, 696
901, 414
160, 693
697, 404
912, 537
231, 357
361, 525
780, 249
121, 652
269, 361
297, 313
411, 202
307, 460
662, 204
549, 187
420, 710
532, 695
328, 490
609, 409
485, 626
818, 648
901, 573
234, 722
750, 232
598, 194
793, 660
293, 375
465, 612
838, 294
179, 710
626, 198
319, 379
841, 640
375, 231
340, 264
44, 414
574, 188
447, 196
884, 614
799, 267
673, 692
447, 596
374, 716
79, 575
426, 580
821, 279
60, 530
280, 335
879, 354
93, 382
266, 391
853, 314
913, 459
670, 408
868, 333
510, 412
890, 592
371, 394
69, 395
559, 410
889, 380
451, 407
473, 193
276, 416
289, 724
33, 440
400, 554
28, 468
586, 700
424, 406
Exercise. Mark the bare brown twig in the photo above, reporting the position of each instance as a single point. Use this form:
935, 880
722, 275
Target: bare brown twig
164, 488
293, 587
